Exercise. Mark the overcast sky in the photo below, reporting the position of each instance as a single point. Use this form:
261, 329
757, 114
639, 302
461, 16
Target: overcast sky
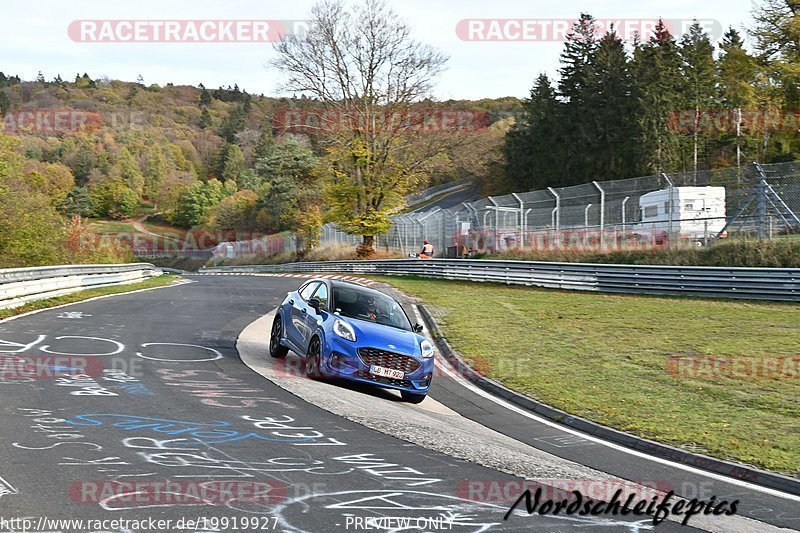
35, 37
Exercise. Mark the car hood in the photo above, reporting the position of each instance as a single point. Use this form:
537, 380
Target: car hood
379, 336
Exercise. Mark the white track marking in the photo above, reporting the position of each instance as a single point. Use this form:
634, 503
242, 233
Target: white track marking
35, 311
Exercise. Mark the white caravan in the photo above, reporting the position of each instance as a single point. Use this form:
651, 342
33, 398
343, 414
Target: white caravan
698, 213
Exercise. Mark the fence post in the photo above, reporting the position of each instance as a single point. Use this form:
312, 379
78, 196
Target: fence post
471, 211
671, 208
586, 224
424, 227
521, 242
444, 230
496, 220
556, 216
602, 215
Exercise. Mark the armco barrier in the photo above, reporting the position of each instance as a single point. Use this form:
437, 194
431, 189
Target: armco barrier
21, 285
776, 284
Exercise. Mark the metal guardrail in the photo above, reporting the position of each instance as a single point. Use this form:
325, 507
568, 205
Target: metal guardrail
21, 285
775, 284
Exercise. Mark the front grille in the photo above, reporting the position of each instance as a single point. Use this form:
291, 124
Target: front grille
364, 374
395, 361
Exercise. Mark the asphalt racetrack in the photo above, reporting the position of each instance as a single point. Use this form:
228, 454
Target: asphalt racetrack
180, 415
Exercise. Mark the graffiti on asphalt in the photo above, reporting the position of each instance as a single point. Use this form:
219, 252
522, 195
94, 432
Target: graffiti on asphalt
169, 352
216, 389
73, 315
51, 427
217, 432
126, 383
84, 385
166, 358
286, 423
6, 489
379, 467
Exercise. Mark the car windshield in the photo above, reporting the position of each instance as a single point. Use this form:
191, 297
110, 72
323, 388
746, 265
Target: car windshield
370, 306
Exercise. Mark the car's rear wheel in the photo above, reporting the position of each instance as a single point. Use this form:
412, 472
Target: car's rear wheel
312, 366
410, 397
276, 349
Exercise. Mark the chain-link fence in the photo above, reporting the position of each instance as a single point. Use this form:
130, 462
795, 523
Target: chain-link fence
640, 212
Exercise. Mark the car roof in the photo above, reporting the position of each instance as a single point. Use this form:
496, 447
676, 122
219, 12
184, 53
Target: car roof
349, 284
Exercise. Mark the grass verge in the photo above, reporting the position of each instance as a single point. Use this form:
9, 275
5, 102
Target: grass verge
111, 226
158, 281
610, 358
782, 252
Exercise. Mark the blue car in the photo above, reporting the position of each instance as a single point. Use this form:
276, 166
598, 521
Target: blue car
349, 331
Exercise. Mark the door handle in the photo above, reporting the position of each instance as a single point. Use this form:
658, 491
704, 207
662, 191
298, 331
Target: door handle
304, 310
291, 302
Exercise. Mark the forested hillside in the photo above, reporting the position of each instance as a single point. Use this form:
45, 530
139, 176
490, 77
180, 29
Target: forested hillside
216, 158
225, 159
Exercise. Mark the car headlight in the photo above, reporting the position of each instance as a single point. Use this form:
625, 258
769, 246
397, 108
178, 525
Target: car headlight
427, 349
344, 330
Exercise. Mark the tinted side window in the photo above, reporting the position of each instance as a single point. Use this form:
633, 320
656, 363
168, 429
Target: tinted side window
322, 295
308, 290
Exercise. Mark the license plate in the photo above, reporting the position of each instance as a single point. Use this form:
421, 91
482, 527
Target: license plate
386, 372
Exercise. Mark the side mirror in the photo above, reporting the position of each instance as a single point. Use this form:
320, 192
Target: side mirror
315, 304
417, 328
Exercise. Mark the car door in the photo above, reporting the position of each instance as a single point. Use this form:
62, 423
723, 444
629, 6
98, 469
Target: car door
300, 311
295, 318
312, 319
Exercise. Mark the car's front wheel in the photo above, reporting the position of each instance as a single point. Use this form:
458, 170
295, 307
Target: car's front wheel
410, 397
276, 349
312, 365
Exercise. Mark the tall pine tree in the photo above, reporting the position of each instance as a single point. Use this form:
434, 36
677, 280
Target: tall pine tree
533, 149
700, 75
573, 88
659, 86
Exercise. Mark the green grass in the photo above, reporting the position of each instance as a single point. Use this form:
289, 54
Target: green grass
782, 252
158, 281
164, 229
111, 226
604, 357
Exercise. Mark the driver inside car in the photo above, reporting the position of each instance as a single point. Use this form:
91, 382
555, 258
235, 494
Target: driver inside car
369, 308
